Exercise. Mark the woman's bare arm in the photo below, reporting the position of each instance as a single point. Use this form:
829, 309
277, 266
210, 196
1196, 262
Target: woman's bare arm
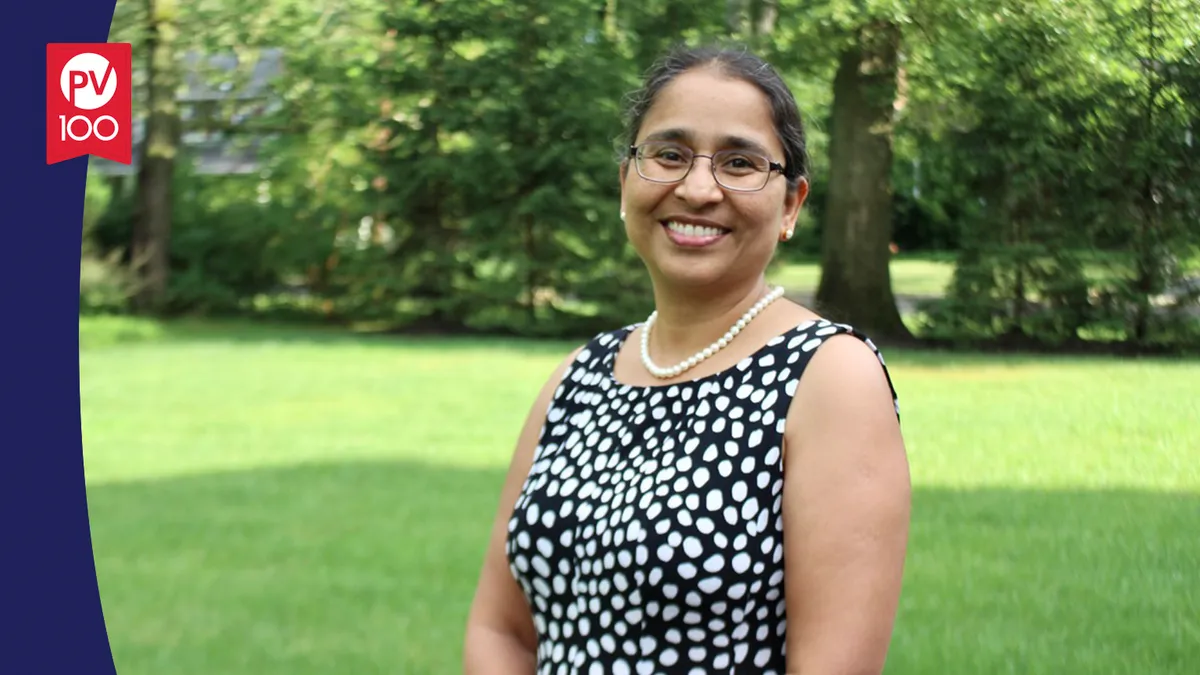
500, 638
846, 506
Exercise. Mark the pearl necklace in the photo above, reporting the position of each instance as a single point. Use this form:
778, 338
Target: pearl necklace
694, 360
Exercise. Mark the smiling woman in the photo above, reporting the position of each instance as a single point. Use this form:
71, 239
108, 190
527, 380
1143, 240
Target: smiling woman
722, 487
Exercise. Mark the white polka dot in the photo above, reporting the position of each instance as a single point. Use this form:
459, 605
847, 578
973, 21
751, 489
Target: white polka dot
731, 515
739, 491
755, 438
714, 500
750, 508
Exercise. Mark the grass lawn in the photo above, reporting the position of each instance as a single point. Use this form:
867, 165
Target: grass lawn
304, 502
911, 275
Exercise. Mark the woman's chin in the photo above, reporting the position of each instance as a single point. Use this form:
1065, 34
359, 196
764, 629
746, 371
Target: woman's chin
689, 275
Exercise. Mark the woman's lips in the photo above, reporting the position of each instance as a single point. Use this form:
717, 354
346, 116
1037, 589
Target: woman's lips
693, 236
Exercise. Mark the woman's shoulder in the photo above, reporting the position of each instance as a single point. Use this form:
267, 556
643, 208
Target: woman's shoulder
838, 354
847, 364
806, 329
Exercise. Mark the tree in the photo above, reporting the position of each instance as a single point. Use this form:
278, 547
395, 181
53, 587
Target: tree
855, 281
860, 44
152, 219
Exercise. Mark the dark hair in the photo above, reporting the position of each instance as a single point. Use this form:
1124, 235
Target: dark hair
737, 63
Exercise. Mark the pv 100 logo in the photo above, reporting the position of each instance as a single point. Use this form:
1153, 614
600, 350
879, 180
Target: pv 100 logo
89, 101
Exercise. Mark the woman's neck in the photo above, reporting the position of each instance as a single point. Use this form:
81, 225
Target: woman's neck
687, 322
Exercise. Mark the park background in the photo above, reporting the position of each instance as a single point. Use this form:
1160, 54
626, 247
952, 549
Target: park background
358, 235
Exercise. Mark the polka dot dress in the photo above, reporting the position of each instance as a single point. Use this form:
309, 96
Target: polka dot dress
647, 537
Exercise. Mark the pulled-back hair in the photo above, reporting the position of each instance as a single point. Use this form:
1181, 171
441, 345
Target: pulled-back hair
735, 63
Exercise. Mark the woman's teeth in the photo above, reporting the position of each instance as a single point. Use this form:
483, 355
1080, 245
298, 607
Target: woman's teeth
694, 230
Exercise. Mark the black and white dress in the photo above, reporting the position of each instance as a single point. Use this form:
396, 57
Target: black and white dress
647, 537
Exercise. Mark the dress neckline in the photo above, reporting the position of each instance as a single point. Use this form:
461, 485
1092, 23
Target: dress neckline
624, 333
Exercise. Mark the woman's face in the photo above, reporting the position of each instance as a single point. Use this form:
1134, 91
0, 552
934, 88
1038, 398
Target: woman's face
707, 112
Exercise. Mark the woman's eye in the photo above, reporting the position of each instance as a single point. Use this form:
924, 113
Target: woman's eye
740, 163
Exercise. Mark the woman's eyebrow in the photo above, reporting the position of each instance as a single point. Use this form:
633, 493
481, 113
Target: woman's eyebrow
742, 143
726, 142
675, 134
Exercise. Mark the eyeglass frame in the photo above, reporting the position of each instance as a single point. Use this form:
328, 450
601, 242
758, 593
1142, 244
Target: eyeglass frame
712, 167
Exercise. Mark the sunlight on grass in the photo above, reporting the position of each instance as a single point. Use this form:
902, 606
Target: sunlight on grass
1051, 423
910, 276
210, 406
178, 406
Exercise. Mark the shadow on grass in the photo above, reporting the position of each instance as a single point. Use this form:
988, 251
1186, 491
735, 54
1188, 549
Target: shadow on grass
370, 567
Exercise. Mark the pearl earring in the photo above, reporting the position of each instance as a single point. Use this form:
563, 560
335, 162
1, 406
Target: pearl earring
622, 216
787, 234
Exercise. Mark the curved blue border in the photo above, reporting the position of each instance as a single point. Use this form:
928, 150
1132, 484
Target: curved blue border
50, 596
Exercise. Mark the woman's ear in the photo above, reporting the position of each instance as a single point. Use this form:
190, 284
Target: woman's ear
792, 204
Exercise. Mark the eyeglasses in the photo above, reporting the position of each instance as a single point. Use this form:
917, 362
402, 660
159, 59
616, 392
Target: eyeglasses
737, 170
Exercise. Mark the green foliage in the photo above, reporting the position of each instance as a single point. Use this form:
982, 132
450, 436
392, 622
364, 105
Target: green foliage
452, 163
104, 284
1071, 141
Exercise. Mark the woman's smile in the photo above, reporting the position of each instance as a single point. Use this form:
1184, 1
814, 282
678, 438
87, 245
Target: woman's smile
690, 233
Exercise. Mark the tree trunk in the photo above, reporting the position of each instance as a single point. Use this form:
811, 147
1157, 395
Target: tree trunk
764, 21
1149, 254
152, 220
855, 280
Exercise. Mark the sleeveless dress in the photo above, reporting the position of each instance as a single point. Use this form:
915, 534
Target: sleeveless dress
647, 537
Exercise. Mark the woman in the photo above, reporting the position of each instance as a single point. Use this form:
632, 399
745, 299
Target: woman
681, 499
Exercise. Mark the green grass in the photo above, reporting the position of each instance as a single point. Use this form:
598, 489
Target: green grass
268, 500
923, 276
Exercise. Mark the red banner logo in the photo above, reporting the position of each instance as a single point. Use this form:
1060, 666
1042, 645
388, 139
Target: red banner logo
89, 101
